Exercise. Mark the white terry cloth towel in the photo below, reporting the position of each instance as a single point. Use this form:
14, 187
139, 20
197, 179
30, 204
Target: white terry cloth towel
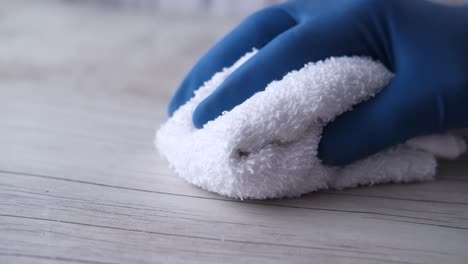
266, 147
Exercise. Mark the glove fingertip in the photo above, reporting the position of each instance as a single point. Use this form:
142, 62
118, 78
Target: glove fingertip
200, 116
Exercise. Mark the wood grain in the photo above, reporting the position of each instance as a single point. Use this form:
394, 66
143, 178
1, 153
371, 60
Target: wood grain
80, 181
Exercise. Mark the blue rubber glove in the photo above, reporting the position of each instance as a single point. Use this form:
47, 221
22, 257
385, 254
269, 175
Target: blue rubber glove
423, 43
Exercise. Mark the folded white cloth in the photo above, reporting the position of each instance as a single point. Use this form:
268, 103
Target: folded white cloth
266, 147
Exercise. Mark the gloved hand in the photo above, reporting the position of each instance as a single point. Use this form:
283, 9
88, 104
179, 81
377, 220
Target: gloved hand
423, 43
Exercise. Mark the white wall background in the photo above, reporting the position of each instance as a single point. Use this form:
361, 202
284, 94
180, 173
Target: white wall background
218, 7
214, 6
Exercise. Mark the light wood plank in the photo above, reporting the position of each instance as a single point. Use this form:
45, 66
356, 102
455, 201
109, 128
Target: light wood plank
89, 220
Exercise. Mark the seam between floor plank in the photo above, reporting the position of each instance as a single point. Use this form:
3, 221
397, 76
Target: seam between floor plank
392, 198
54, 258
318, 209
215, 239
220, 199
248, 202
411, 222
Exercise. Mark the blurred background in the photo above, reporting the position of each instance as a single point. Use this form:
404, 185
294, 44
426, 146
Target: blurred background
139, 48
212, 6
110, 50
136, 47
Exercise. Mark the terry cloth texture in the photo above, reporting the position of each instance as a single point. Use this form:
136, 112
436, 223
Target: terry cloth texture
266, 147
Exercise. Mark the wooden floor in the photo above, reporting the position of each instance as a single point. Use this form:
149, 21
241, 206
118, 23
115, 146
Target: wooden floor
82, 92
